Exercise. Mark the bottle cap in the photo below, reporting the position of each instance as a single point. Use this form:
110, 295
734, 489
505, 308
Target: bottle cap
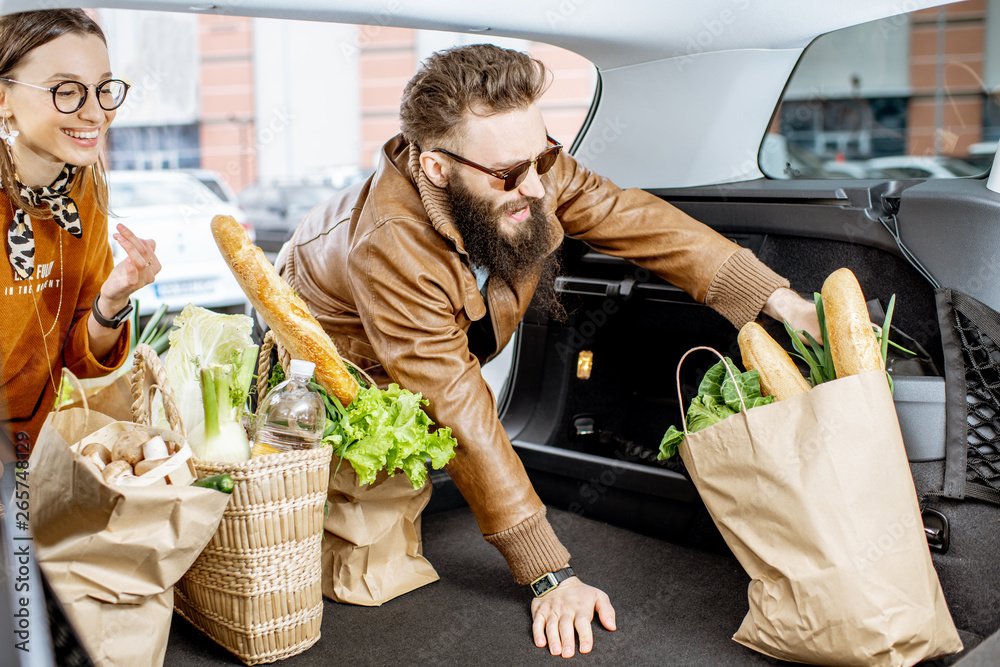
301, 367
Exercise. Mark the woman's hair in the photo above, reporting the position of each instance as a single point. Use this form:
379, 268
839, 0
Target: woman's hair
20, 34
482, 79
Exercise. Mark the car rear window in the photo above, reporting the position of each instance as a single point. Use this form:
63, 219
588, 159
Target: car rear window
909, 96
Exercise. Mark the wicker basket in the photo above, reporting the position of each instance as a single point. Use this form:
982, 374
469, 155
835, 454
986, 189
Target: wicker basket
256, 589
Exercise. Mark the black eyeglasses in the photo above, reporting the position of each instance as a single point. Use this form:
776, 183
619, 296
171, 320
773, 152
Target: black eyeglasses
514, 176
70, 96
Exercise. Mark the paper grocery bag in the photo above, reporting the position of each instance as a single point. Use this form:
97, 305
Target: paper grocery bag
113, 553
111, 397
814, 496
371, 549
73, 424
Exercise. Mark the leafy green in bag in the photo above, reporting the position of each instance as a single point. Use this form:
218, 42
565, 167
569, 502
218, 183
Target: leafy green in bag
717, 399
383, 429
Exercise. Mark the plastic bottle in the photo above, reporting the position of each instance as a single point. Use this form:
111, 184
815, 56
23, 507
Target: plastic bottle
292, 416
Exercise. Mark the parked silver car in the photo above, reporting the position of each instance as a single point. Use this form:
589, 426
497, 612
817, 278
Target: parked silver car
275, 210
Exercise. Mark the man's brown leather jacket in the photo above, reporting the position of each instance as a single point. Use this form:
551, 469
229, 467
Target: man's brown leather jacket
385, 272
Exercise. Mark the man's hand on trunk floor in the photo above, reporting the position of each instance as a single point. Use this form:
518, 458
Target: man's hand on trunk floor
568, 610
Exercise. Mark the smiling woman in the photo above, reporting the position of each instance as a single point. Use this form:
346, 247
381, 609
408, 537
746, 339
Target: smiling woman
68, 300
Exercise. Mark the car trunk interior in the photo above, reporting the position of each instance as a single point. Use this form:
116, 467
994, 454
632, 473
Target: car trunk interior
635, 525
637, 327
590, 444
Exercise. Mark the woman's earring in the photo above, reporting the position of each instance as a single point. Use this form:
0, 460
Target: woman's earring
6, 134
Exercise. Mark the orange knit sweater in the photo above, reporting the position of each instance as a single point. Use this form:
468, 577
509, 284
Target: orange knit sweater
43, 320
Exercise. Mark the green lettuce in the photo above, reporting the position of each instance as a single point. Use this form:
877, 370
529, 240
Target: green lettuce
717, 399
384, 430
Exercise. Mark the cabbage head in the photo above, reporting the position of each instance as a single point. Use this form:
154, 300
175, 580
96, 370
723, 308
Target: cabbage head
202, 338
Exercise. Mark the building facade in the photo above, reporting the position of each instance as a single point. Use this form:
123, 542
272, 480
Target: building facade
271, 100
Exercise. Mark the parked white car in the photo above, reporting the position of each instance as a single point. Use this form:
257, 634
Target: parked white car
176, 210
920, 166
215, 182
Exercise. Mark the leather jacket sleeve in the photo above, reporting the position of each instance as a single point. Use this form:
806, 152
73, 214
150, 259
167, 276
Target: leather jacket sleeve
657, 236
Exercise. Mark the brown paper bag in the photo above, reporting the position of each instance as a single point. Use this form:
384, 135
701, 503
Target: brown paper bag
113, 399
75, 424
814, 496
371, 549
113, 553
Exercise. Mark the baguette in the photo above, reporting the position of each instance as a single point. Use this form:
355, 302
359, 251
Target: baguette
853, 344
779, 377
284, 311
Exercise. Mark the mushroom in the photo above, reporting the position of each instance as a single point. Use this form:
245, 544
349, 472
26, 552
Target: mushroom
128, 447
144, 466
99, 451
116, 471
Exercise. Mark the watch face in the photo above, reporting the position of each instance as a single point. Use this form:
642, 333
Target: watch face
114, 321
122, 315
543, 585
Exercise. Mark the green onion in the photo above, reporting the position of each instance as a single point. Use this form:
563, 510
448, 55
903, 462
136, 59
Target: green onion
884, 340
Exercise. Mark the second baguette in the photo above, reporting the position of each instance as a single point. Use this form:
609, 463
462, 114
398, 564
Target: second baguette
779, 376
853, 345
284, 311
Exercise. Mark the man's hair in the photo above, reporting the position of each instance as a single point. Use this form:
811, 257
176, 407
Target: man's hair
479, 78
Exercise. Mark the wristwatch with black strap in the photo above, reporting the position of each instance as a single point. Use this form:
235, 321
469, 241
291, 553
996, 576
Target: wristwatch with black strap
116, 320
550, 580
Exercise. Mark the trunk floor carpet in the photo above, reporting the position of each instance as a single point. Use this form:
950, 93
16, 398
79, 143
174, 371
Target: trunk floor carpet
675, 606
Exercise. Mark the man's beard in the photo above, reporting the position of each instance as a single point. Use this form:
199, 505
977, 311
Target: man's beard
505, 257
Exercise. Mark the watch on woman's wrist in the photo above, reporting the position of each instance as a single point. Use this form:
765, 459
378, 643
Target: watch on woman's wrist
550, 580
116, 320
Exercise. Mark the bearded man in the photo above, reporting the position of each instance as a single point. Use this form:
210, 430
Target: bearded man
422, 274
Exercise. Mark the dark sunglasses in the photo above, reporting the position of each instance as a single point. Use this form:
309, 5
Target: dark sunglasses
514, 176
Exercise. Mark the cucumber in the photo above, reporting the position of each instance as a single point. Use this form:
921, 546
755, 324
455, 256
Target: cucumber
223, 483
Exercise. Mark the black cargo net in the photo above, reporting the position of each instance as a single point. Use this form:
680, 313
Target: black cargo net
982, 378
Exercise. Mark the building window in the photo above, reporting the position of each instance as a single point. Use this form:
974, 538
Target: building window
154, 147
903, 97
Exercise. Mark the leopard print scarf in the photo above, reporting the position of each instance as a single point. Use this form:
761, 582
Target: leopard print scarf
21, 239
